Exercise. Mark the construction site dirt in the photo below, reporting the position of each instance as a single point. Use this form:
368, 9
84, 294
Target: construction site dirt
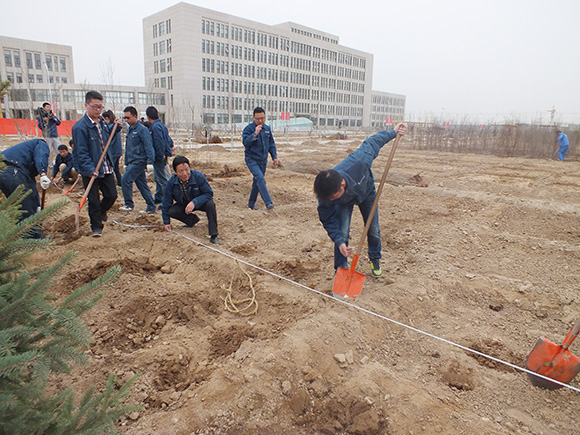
479, 250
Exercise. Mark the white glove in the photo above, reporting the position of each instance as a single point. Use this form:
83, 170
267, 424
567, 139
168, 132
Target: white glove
44, 182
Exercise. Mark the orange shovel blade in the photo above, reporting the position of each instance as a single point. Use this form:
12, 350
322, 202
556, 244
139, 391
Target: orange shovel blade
553, 361
348, 282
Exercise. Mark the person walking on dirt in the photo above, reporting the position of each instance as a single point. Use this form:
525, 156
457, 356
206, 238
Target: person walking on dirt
351, 182
138, 151
564, 143
90, 135
163, 145
259, 142
116, 146
186, 192
24, 162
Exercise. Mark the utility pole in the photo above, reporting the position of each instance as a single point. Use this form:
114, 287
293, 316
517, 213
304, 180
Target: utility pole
552, 114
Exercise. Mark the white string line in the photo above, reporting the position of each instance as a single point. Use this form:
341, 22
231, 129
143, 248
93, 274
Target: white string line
364, 310
134, 226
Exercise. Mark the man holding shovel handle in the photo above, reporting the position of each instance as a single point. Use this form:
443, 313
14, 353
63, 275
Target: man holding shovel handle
352, 182
94, 160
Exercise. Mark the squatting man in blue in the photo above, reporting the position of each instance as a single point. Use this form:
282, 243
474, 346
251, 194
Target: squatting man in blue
352, 182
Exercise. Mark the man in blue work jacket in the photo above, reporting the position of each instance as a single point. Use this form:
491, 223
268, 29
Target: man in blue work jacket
90, 136
47, 122
163, 145
187, 192
564, 143
138, 151
259, 142
352, 182
24, 162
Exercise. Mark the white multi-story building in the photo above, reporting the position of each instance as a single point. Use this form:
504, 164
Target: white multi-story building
215, 68
42, 72
386, 109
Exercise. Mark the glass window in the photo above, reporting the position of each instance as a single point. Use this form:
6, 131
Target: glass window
37, 62
162, 66
56, 63
62, 64
30, 78
10, 77
51, 79
64, 80
49, 63
8, 57
168, 26
39, 78
169, 45
29, 61
162, 28
17, 59
155, 30
163, 82
162, 47
18, 77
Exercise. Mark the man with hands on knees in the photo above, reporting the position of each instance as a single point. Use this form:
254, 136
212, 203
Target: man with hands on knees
24, 162
186, 192
352, 182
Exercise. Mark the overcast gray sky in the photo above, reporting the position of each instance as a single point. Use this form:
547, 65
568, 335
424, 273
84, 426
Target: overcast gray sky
453, 59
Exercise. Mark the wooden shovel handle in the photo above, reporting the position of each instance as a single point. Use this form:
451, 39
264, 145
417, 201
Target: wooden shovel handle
376, 201
571, 335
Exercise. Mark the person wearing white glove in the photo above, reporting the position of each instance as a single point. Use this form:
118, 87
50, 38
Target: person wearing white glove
44, 181
24, 162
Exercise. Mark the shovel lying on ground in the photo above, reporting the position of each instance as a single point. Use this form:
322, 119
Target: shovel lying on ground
349, 282
88, 189
554, 361
66, 192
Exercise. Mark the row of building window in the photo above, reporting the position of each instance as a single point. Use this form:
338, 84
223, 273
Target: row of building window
314, 35
33, 78
33, 60
164, 27
162, 47
163, 65
163, 82
78, 96
212, 28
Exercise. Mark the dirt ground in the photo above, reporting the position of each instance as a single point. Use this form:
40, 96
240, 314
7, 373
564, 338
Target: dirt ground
480, 250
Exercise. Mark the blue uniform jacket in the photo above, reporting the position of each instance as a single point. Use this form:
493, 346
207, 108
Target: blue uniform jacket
68, 161
51, 130
356, 170
257, 148
30, 156
139, 145
87, 145
162, 143
116, 145
199, 192
563, 140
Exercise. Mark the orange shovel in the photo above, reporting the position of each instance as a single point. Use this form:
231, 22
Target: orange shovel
349, 282
554, 361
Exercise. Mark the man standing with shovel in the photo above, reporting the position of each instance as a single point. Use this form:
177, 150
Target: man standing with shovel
352, 182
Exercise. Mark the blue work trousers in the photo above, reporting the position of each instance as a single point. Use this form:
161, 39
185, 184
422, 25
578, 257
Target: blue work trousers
258, 170
135, 172
161, 174
344, 214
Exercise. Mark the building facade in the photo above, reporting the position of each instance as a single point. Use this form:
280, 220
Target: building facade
215, 68
387, 109
41, 72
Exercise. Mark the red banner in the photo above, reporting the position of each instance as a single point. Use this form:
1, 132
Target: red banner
29, 127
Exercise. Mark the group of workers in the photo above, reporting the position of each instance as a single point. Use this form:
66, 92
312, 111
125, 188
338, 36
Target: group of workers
181, 195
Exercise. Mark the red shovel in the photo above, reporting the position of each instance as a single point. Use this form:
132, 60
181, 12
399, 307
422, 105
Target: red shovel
349, 282
554, 361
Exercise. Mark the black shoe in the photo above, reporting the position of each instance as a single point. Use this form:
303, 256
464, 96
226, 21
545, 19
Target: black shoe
104, 216
158, 201
214, 240
253, 207
97, 232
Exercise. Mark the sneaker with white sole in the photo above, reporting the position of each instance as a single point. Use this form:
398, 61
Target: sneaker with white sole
376, 267
148, 211
125, 208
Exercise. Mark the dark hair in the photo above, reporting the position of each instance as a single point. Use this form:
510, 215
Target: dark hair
45, 104
93, 95
259, 110
71, 143
109, 115
131, 110
62, 147
152, 112
178, 160
327, 183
